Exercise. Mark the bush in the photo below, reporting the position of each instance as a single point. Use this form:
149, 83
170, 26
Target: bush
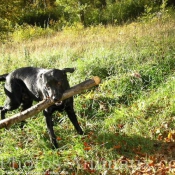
123, 11
40, 17
5, 28
25, 32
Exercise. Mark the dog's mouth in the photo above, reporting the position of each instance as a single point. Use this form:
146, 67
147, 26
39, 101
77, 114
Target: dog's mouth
58, 103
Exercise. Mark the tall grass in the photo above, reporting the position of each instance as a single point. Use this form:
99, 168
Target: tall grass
127, 118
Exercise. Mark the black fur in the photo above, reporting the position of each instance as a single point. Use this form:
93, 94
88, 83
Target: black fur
3, 77
27, 84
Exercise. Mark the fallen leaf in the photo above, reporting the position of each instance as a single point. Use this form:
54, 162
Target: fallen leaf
117, 147
15, 165
87, 148
59, 138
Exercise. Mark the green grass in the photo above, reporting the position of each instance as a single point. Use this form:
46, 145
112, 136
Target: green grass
128, 120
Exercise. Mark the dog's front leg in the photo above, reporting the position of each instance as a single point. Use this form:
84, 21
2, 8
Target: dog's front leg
3, 111
49, 123
73, 118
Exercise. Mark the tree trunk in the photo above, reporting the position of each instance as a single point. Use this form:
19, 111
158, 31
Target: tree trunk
82, 15
103, 3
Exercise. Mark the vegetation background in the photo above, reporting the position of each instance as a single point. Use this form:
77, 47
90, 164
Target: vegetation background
129, 119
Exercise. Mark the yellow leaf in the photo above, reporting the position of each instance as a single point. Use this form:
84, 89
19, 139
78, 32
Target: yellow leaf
169, 135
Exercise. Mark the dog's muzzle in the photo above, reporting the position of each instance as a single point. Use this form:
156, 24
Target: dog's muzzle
57, 100
59, 103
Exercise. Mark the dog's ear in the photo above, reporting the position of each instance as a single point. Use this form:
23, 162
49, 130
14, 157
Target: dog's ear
70, 70
41, 75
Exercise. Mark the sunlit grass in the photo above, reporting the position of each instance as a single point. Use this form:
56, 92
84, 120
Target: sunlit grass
129, 116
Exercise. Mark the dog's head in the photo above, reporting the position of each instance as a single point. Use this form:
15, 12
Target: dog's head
54, 83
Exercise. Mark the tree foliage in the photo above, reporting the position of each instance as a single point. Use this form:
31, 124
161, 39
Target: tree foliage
9, 14
58, 13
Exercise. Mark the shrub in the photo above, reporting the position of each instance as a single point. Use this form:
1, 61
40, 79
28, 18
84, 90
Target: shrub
25, 32
5, 28
40, 17
123, 11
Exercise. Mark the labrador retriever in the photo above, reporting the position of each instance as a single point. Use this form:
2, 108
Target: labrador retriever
28, 84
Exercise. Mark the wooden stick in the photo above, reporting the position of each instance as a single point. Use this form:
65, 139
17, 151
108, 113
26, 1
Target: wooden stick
6, 123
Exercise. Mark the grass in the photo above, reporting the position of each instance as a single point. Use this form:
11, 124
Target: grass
128, 120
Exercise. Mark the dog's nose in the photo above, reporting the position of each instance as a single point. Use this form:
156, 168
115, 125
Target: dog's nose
54, 98
57, 97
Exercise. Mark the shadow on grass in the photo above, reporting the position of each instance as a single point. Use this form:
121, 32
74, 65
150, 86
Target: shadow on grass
113, 146
132, 146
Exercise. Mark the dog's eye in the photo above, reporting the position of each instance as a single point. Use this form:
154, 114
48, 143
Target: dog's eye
47, 87
59, 83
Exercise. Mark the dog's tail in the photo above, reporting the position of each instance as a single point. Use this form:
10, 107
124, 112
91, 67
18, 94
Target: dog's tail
3, 77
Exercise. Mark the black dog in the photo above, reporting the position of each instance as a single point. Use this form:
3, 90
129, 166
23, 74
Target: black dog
26, 84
